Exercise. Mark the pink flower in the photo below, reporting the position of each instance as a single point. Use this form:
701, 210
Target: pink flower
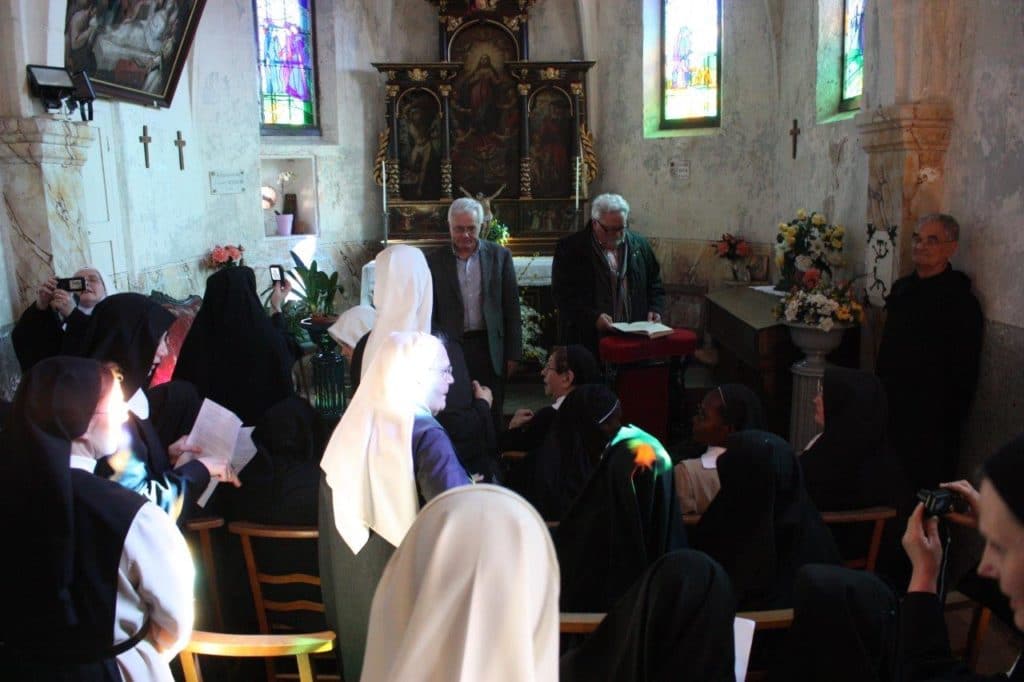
812, 277
234, 253
743, 249
219, 255
722, 248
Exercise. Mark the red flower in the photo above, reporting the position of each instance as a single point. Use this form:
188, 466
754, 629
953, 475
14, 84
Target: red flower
722, 248
812, 277
743, 249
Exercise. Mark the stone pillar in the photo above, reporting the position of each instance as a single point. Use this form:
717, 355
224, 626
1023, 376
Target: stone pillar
41, 161
906, 146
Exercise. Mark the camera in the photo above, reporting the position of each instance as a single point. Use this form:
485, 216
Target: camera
276, 274
75, 285
937, 502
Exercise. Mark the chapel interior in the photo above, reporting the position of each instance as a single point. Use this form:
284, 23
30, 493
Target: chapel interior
939, 128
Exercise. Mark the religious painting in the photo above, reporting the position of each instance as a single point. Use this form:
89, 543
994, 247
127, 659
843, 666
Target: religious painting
550, 141
419, 145
550, 217
853, 54
133, 50
691, 52
286, 55
419, 221
485, 112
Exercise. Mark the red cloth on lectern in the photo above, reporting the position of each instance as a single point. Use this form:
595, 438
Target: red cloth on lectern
643, 391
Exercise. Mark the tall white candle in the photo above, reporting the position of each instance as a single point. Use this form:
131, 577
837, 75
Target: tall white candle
384, 184
576, 182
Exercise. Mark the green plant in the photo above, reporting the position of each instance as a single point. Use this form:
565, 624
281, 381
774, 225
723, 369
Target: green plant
315, 288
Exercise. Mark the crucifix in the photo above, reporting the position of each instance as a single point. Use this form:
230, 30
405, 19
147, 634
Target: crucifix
180, 144
145, 139
794, 133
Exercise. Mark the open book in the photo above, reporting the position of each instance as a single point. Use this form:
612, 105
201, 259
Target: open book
651, 330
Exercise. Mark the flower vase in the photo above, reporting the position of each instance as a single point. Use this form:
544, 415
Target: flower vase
740, 273
284, 224
816, 344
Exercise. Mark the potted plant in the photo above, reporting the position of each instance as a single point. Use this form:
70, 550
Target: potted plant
807, 243
736, 250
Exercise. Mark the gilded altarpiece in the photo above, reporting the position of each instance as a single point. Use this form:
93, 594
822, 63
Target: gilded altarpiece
489, 122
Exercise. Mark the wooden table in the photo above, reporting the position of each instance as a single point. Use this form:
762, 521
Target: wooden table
754, 348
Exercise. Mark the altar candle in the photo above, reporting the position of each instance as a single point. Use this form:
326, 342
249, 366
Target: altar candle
384, 184
577, 184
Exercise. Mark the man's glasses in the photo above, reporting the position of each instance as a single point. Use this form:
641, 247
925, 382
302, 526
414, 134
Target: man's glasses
929, 242
611, 229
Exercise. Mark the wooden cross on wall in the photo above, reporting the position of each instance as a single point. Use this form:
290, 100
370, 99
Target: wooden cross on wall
794, 133
180, 144
145, 139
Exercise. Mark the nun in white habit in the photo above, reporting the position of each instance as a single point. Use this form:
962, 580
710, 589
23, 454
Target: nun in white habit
386, 458
470, 595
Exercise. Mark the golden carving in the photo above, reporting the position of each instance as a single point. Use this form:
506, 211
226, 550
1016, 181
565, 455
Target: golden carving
512, 22
418, 74
550, 74
446, 177
445, 90
576, 89
588, 153
525, 178
393, 188
382, 155
523, 88
453, 23
392, 91
391, 74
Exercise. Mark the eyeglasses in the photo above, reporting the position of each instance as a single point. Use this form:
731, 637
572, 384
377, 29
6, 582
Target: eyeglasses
445, 371
930, 241
611, 229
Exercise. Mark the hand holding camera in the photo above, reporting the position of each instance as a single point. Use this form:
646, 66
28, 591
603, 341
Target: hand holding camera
924, 549
44, 295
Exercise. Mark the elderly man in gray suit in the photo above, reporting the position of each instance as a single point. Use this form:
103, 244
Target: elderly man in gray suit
476, 300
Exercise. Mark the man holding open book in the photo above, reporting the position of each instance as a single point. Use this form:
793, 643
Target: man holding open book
605, 275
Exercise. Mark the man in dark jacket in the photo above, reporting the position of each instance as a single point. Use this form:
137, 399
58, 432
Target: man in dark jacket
928, 359
604, 274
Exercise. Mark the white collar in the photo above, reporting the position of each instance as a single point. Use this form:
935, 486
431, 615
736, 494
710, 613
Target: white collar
558, 403
84, 463
709, 460
138, 404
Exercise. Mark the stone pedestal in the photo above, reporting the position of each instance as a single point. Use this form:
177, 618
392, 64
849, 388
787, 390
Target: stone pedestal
906, 146
41, 163
815, 344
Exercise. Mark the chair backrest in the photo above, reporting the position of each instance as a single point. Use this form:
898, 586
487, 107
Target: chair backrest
877, 516
259, 579
202, 527
585, 623
259, 646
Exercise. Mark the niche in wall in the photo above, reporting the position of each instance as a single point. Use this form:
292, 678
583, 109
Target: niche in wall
294, 183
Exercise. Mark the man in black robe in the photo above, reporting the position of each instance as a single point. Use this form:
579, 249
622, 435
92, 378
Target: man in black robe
928, 359
604, 274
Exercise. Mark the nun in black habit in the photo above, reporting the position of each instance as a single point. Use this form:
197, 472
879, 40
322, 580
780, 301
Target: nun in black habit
762, 527
849, 466
624, 519
234, 353
130, 330
674, 623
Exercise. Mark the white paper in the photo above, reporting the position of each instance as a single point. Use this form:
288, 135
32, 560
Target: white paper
215, 431
245, 450
138, 404
769, 289
743, 637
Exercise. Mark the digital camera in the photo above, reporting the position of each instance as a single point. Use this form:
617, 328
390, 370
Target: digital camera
75, 285
937, 502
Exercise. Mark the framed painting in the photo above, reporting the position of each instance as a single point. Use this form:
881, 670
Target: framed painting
133, 50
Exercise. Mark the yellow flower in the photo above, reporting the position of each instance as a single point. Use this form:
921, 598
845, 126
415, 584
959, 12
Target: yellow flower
790, 239
818, 219
837, 243
782, 226
801, 214
840, 230
843, 313
780, 259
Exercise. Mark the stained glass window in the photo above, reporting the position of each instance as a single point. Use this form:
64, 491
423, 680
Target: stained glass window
691, 42
284, 44
853, 54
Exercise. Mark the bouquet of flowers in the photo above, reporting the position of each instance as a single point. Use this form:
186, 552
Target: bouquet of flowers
822, 306
496, 231
224, 257
732, 248
807, 249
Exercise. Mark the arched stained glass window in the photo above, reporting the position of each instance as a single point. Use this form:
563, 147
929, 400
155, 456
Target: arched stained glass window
691, 57
286, 52
853, 54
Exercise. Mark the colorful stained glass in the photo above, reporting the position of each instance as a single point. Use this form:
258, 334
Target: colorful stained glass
853, 53
690, 44
285, 51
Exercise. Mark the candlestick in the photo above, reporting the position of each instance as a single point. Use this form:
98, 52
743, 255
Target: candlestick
384, 184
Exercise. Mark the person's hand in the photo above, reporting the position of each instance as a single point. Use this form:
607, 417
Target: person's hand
653, 316
280, 293
970, 496
520, 417
179, 447
45, 293
510, 367
221, 471
482, 393
63, 302
604, 322
923, 547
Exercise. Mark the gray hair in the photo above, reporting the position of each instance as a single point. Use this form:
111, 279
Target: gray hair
949, 224
468, 206
609, 203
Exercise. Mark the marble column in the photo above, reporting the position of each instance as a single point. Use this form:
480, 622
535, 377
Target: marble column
41, 161
906, 146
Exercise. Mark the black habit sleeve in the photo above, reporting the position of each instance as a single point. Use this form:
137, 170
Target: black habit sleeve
513, 321
36, 336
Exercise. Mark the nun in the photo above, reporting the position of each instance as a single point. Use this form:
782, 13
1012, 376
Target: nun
57, 321
386, 458
352, 325
100, 580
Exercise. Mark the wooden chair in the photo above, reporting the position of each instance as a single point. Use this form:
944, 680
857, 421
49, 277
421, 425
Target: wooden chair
259, 646
585, 623
266, 608
202, 527
878, 516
